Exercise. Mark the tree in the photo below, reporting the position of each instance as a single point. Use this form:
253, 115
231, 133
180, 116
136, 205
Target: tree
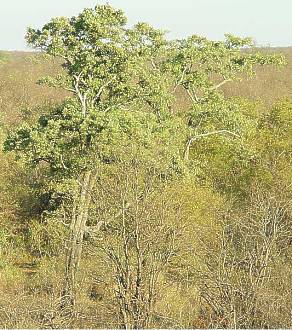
200, 67
123, 83
235, 282
106, 68
140, 233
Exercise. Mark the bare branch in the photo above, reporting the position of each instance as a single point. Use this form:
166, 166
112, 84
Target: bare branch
220, 84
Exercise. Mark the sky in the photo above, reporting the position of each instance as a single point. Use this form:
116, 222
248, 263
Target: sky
268, 22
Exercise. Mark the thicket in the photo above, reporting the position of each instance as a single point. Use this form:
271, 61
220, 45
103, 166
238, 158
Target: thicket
135, 191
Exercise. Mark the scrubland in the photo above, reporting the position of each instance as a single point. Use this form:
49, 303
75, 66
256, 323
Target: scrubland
211, 246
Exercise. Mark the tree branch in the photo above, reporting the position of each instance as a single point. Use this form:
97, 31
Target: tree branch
220, 84
196, 137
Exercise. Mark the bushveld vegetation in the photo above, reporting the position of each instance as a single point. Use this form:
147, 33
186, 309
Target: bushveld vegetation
145, 183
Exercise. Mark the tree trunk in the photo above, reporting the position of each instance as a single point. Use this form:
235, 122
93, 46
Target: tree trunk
81, 205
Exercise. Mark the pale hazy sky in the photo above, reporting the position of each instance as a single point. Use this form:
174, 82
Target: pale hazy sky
267, 21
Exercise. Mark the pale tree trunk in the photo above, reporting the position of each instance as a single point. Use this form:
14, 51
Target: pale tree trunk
81, 206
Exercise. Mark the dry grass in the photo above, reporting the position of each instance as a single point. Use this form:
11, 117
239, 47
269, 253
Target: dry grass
19, 93
269, 83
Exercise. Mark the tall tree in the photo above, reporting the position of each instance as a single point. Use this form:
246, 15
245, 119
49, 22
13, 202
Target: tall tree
109, 71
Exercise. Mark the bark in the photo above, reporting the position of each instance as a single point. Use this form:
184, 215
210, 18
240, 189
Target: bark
77, 229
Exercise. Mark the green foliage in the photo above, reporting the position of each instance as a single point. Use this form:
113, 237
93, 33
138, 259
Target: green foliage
102, 58
118, 74
202, 66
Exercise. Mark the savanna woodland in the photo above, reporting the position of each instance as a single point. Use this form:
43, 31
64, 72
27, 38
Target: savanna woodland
145, 182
